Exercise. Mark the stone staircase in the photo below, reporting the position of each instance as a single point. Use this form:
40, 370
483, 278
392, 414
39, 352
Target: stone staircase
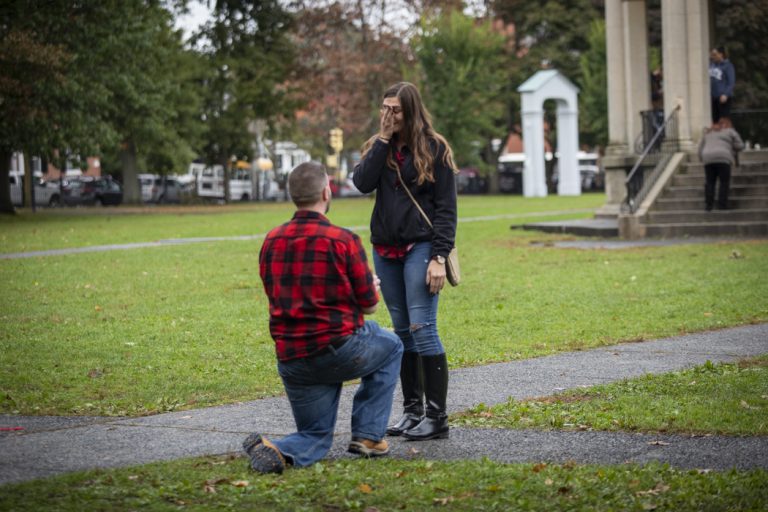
679, 209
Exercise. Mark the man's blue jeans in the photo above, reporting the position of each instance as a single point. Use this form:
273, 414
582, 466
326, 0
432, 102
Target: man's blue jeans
412, 308
314, 386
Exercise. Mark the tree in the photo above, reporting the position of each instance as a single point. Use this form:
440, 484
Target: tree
250, 58
550, 32
154, 107
345, 66
52, 95
593, 111
464, 77
80, 77
742, 27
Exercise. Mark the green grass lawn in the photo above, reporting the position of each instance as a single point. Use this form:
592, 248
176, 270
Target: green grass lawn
150, 330
222, 483
79, 227
708, 399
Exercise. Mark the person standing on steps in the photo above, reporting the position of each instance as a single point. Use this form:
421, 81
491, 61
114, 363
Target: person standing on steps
718, 151
408, 255
722, 78
319, 286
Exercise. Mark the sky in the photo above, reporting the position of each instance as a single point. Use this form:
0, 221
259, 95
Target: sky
198, 14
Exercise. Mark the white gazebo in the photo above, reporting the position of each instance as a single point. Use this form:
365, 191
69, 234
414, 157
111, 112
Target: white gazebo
545, 85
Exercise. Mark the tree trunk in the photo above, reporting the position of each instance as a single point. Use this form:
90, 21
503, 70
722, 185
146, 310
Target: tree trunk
29, 184
131, 191
6, 206
225, 164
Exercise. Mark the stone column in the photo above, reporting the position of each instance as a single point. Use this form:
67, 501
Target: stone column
638, 95
569, 183
676, 56
698, 66
621, 31
614, 48
534, 178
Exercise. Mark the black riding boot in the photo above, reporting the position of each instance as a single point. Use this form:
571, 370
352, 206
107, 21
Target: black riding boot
435, 422
413, 394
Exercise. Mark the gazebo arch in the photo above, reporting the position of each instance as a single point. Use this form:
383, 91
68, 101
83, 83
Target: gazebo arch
544, 85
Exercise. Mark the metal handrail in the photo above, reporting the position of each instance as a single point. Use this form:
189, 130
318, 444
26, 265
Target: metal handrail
635, 183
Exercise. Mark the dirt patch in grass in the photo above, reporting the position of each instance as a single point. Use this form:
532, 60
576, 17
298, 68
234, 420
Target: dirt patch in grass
561, 399
761, 362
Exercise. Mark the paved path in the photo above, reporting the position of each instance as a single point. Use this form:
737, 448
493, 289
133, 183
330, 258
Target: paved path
50, 446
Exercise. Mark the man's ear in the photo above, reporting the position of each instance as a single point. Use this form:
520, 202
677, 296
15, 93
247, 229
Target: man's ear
326, 193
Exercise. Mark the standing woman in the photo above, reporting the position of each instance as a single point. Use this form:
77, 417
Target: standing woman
408, 255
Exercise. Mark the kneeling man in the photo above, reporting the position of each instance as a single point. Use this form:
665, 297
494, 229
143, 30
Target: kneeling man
319, 285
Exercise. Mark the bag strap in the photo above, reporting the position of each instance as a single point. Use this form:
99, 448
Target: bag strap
405, 186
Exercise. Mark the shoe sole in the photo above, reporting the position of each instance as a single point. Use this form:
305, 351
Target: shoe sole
441, 435
264, 456
361, 449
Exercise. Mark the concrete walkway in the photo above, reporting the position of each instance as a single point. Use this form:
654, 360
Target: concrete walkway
50, 445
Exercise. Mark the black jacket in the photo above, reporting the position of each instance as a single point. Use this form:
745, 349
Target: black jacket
395, 219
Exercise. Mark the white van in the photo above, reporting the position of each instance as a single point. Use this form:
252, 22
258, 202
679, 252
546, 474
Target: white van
245, 184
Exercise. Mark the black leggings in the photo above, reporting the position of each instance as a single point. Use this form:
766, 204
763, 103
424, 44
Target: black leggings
714, 172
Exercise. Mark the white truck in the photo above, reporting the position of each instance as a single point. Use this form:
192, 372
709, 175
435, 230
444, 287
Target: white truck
47, 193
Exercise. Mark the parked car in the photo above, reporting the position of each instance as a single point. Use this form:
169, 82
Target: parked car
92, 191
470, 181
47, 193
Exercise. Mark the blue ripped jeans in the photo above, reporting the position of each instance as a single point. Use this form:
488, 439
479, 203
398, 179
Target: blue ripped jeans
412, 308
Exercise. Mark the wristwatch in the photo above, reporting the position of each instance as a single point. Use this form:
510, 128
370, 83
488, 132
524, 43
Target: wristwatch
440, 259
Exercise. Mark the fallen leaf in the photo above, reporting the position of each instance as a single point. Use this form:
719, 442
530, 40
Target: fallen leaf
133, 477
209, 489
660, 488
97, 307
95, 373
241, 483
538, 467
365, 488
708, 313
745, 405
736, 255
658, 443
703, 471
414, 451
442, 501
548, 481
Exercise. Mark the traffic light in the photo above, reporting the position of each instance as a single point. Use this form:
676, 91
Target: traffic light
336, 139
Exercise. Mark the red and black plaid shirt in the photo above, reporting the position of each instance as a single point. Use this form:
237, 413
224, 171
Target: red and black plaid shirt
317, 280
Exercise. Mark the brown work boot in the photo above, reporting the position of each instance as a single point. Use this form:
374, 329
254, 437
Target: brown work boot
368, 448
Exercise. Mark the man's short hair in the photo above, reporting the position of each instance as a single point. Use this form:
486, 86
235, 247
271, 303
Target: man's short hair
306, 183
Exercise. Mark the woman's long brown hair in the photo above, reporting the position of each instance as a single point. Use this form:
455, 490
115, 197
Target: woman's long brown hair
417, 133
